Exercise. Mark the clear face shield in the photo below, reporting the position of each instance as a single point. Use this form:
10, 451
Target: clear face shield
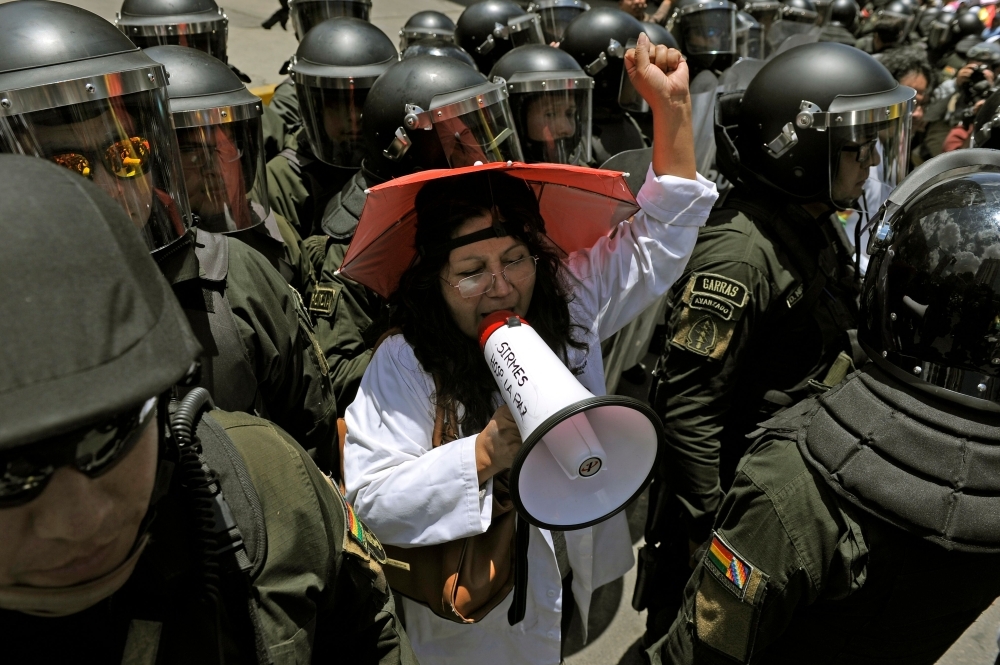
525, 29
749, 37
224, 170
212, 43
708, 28
123, 142
472, 125
869, 152
332, 117
765, 13
553, 117
555, 15
409, 36
308, 13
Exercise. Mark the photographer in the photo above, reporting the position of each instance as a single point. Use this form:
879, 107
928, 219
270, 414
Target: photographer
973, 84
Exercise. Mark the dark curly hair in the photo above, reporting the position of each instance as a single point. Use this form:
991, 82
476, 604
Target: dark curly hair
418, 305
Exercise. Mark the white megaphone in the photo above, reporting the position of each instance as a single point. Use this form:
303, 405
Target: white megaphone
584, 458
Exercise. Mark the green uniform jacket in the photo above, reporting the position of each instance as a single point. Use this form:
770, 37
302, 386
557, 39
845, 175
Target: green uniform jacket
284, 255
263, 358
343, 312
299, 186
796, 574
318, 596
762, 309
281, 118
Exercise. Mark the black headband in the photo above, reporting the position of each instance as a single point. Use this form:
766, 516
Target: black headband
499, 229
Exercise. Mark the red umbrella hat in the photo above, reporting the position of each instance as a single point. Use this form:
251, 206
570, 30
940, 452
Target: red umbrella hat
579, 206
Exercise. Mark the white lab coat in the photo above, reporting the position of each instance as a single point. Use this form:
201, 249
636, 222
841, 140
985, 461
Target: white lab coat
410, 493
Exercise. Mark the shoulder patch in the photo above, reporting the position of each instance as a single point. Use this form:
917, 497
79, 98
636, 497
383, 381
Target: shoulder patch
732, 569
720, 287
712, 305
359, 537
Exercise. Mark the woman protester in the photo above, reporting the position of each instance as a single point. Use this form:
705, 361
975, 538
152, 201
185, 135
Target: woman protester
413, 493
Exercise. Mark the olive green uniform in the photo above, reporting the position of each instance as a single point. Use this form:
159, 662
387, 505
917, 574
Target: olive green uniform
260, 353
312, 592
299, 186
281, 118
758, 320
834, 546
280, 245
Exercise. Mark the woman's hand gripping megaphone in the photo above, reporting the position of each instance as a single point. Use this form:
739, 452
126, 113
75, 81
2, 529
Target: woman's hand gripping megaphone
497, 444
660, 75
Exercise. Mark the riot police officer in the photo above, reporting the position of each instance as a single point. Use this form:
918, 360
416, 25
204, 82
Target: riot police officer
841, 22
134, 529
706, 34
427, 24
597, 39
550, 97
848, 498
892, 26
749, 37
798, 17
762, 315
333, 69
98, 106
490, 28
218, 125
200, 24
766, 13
416, 118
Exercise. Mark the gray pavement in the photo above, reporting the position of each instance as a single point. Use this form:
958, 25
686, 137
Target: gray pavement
615, 628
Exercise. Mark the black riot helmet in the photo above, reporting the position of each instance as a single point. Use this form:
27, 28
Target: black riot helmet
800, 11
74, 90
894, 22
441, 48
844, 13
815, 122
434, 113
333, 69
490, 28
986, 129
200, 24
427, 24
550, 97
967, 24
930, 308
219, 133
749, 36
659, 35
306, 14
91, 330
555, 15
765, 12
706, 32
597, 39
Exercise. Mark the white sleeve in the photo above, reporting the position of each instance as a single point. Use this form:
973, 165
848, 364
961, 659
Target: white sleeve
404, 489
625, 272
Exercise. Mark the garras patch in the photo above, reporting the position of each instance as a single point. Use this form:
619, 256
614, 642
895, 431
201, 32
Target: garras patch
712, 305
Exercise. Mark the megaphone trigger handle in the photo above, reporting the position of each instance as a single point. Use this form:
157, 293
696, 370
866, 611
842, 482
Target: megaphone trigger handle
519, 604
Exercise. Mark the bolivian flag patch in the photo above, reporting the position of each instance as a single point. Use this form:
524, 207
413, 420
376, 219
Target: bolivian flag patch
363, 538
731, 566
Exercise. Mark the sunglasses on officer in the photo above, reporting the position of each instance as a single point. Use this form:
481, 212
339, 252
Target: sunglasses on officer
93, 450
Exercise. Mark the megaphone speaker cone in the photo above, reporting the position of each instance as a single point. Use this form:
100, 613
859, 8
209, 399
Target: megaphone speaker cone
584, 458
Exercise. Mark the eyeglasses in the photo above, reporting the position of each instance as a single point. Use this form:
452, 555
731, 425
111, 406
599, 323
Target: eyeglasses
480, 283
864, 151
94, 450
128, 158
